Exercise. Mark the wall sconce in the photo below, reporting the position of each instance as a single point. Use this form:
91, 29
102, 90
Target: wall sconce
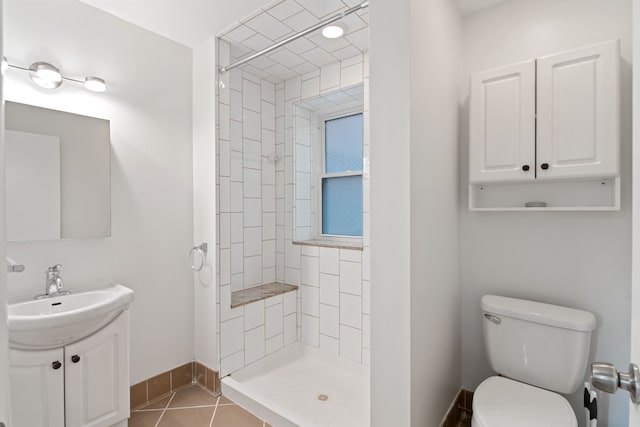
49, 76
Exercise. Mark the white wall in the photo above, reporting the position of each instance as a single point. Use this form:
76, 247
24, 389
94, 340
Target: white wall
435, 283
149, 105
578, 259
4, 355
204, 199
634, 410
389, 30
415, 341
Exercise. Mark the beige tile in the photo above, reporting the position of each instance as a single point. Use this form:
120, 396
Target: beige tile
160, 403
232, 415
192, 396
144, 419
138, 395
159, 385
211, 380
201, 374
225, 401
181, 376
189, 417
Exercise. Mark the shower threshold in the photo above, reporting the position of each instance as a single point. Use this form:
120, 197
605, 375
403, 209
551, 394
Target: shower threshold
301, 386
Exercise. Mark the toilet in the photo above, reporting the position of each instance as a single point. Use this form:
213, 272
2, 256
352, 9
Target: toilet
538, 350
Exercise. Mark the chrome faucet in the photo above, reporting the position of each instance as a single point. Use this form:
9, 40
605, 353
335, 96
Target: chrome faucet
54, 286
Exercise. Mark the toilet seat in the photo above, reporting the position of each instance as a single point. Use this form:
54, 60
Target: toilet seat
501, 402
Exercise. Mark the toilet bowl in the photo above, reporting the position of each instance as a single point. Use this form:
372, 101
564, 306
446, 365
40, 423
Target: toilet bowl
539, 350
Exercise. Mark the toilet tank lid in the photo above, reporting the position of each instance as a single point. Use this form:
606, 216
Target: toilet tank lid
546, 314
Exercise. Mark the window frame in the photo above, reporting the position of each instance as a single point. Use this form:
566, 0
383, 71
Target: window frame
320, 173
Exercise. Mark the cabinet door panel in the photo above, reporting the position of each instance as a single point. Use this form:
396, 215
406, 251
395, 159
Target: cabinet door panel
502, 124
37, 389
578, 129
97, 377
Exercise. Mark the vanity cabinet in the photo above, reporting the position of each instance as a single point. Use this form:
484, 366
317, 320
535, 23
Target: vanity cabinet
83, 384
37, 387
553, 118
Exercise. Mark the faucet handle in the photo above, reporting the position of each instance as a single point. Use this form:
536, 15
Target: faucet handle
54, 269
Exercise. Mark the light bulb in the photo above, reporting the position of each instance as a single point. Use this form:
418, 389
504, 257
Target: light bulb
48, 72
333, 31
95, 84
5, 65
45, 75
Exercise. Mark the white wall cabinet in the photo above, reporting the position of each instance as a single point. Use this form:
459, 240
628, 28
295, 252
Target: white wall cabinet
555, 117
578, 114
83, 384
552, 120
502, 124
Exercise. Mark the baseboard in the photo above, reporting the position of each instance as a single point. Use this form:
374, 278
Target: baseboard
460, 411
167, 382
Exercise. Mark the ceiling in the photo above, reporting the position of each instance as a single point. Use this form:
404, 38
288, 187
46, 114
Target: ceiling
188, 22
283, 18
471, 6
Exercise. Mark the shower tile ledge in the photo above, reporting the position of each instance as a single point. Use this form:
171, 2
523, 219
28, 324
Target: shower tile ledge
260, 292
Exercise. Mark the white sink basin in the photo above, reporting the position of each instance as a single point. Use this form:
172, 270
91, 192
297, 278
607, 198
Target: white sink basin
58, 321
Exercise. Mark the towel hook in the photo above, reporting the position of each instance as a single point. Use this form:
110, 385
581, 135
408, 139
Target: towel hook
202, 251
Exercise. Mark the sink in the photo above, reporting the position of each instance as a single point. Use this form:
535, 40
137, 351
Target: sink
61, 320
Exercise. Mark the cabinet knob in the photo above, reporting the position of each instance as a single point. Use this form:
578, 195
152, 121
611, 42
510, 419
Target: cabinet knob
544, 166
75, 358
525, 167
56, 365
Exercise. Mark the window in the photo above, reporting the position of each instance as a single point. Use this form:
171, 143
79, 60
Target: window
341, 177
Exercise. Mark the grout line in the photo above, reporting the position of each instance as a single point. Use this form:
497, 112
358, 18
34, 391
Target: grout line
165, 410
214, 412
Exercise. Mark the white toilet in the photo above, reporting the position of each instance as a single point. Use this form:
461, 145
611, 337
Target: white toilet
539, 350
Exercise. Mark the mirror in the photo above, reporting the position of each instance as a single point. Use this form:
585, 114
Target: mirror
58, 174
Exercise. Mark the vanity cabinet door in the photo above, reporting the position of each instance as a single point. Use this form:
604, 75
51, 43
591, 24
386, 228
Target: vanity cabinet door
97, 377
502, 124
578, 122
37, 388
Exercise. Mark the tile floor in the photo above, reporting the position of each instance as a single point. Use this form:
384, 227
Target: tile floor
192, 406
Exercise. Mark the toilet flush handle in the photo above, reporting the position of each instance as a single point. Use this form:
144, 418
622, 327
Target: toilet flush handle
605, 377
492, 318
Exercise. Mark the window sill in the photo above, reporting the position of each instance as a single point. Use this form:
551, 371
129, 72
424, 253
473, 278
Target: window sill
330, 244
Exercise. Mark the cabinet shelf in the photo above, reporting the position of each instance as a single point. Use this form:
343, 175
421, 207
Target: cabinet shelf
583, 195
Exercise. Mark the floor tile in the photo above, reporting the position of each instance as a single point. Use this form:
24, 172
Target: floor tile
158, 404
188, 417
232, 415
144, 419
224, 401
192, 396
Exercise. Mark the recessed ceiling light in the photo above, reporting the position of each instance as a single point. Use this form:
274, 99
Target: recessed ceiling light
334, 31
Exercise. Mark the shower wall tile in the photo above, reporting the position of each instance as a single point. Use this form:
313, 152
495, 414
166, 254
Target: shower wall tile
249, 252
340, 275
259, 198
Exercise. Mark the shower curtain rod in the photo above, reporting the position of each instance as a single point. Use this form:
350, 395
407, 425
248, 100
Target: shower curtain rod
302, 33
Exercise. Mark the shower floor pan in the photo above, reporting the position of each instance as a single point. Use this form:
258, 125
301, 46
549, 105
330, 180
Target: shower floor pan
300, 386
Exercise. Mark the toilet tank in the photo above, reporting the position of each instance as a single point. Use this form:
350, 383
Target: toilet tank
539, 344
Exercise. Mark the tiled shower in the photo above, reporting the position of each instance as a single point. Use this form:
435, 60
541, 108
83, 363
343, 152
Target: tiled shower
267, 202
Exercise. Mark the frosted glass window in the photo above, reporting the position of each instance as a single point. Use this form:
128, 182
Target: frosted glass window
342, 206
343, 144
341, 181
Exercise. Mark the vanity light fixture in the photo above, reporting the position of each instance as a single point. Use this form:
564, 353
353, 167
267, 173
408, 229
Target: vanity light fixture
48, 76
334, 30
